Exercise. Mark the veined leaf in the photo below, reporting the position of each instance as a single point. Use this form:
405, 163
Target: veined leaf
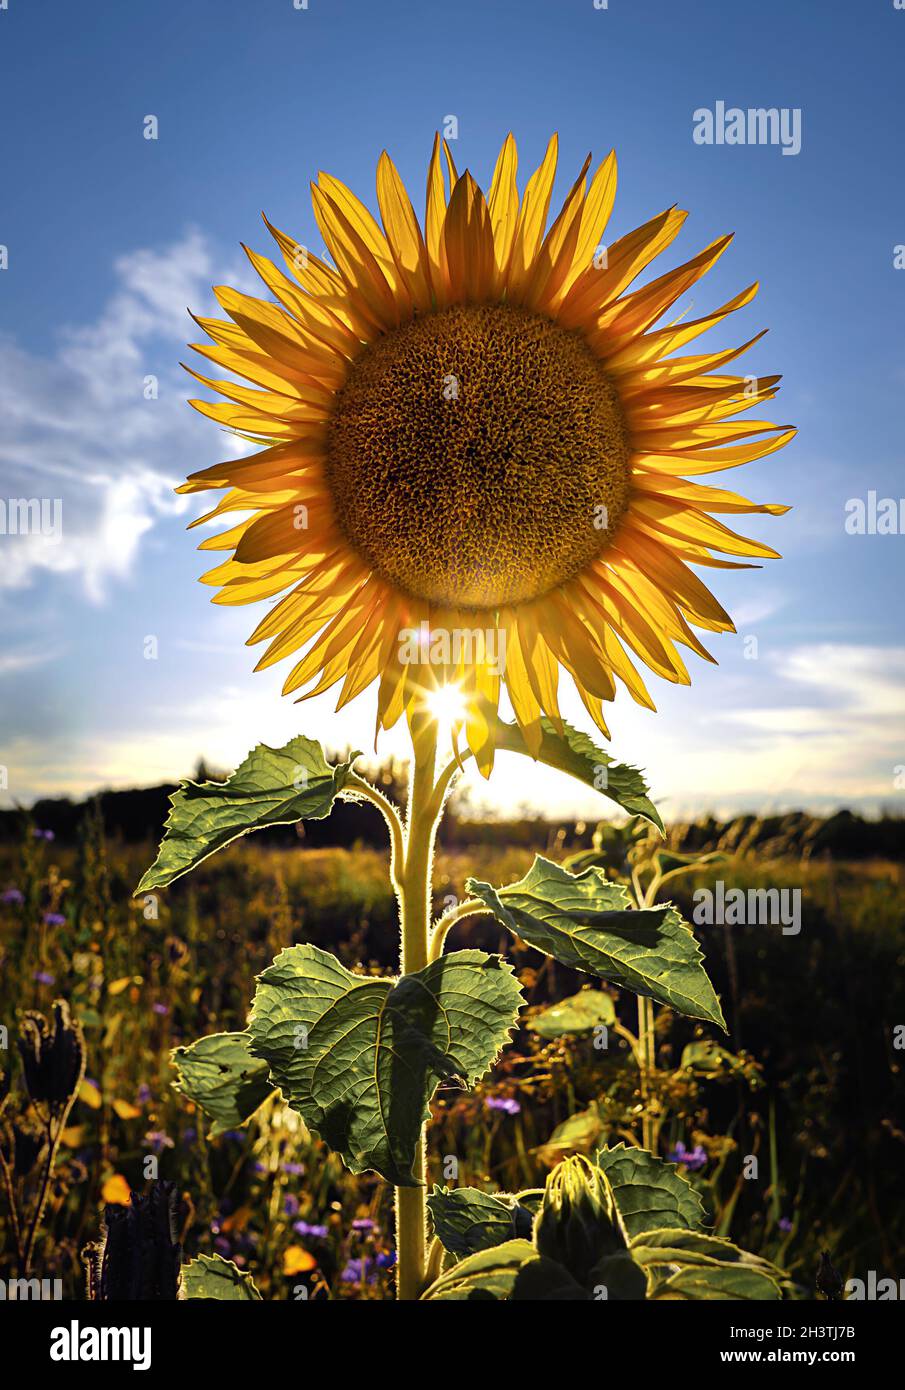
490, 1274
360, 1057
210, 1276
578, 1133
466, 1220
650, 1194
273, 786
221, 1076
695, 1249
578, 755
725, 1281
585, 922
580, 1013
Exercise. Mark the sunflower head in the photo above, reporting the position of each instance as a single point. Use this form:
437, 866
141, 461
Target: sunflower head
477, 445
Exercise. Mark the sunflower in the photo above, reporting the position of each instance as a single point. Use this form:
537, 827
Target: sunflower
477, 445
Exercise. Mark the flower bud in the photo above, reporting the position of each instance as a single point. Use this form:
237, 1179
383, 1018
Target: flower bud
578, 1224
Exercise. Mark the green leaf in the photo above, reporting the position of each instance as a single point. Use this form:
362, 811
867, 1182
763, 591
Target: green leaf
575, 753
620, 1276
707, 1058
273, 786
671, 862
718, 1282
695, 1249
466, 1220
490, 1274
581, 1013
650, 1194
585, 922
210, 1276
577, 1133
542, 1280
221, 1076
360, 1057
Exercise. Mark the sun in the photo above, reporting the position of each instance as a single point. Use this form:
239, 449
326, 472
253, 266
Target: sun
480, 428
448, 706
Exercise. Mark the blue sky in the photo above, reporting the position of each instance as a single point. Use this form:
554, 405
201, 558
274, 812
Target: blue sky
110, 236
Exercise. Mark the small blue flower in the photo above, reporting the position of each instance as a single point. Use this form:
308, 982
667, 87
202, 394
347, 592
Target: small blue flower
157, 1140
44, 977
305, 1228
507, 1104
785, 1224
13, 897
692, 1159
54, 919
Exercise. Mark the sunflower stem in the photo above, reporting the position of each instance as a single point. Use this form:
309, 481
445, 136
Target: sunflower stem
422, 817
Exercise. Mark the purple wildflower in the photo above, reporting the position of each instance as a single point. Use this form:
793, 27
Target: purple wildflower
189, 1135
54, 919
144, 1094
13, 897
692, 1159
785, 1224
162, 1009
305, 1228
157, 1140
291, 1204
43, 834
44, 977
507, 1104
364, 1223
295, 1170
358, 1271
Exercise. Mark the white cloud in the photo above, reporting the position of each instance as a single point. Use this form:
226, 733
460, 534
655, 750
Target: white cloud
77, 425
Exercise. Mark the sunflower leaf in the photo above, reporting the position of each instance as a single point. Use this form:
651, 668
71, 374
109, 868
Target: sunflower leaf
580, 1013
465, 1219
578, 755
666, 1249
359, 1057
220, 1075
586, 922
650, 1194
720, 1281
273, 786
210, 1276
486, 1275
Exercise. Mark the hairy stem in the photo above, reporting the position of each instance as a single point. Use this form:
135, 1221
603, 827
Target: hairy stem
470, 908
414, 891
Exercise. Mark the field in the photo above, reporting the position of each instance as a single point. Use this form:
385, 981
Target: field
809, 1081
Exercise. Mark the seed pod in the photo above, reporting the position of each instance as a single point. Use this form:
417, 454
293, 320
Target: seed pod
829, 1281
139, 1256
53, 1061
28, 1141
